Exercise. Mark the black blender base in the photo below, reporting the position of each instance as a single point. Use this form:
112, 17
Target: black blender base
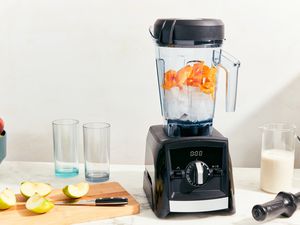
166, 162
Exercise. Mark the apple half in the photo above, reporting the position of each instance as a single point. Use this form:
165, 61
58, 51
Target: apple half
38, 204
7, 199
28, 189
76, 190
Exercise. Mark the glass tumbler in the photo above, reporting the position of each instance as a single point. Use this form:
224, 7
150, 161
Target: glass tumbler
277, 157
65, 142
96, 141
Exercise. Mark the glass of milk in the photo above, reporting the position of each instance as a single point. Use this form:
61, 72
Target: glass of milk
277, 157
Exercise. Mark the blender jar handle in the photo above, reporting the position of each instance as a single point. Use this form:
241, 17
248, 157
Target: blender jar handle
231, 67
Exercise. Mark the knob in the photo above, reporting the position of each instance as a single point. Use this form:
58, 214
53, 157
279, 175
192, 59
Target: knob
197, 173
200, 171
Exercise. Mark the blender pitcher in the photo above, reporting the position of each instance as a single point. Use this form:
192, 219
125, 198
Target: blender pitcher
188, 57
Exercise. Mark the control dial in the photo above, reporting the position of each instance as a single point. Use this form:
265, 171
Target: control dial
196, 173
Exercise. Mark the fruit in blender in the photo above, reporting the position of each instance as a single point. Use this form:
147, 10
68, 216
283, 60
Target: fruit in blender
195, 78
189, 92
170, 79
182, 75
198, 75
208, 81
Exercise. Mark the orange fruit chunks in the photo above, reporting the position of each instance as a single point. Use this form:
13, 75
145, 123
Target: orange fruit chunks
197, 75
170, 79
183, 74
208, 83
198, 68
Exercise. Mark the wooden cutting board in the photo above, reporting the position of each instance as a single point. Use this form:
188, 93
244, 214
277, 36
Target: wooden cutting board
65, 215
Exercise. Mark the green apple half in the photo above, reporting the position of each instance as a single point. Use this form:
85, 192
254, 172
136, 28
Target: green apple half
28, 189
39, 204
77, 190
7, 199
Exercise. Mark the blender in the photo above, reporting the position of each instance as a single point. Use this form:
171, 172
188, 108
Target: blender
187, 161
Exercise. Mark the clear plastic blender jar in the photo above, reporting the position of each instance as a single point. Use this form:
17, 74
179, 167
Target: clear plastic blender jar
188, 57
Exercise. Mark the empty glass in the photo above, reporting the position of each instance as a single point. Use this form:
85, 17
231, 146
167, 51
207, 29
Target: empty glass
96, 140
277, 157
65, 143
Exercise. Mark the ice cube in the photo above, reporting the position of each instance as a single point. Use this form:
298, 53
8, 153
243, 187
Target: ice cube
202, 105
176, 102
188, 103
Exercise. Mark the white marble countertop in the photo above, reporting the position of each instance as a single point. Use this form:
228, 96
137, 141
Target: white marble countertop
130, 177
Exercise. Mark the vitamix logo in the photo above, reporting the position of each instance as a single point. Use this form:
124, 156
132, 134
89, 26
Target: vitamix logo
196, 153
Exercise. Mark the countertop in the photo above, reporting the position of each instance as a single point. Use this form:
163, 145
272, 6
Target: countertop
130, 177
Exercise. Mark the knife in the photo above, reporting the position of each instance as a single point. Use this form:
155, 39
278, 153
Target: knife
112, 201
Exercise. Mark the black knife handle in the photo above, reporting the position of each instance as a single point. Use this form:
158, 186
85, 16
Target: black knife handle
111, 201
285, 204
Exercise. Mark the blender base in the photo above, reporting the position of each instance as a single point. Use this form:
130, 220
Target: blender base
188, 174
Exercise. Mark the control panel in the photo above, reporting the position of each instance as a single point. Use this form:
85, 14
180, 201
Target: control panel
196, 165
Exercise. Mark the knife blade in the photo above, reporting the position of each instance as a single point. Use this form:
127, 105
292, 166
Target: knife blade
112, 201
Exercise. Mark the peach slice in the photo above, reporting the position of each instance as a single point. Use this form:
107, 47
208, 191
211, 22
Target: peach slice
208, 82
197, 68
196, 76
206, 70
183, 74
170, 79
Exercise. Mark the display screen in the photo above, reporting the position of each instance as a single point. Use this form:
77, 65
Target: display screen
180, 158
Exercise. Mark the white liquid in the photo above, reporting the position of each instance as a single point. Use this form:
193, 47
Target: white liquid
277, 168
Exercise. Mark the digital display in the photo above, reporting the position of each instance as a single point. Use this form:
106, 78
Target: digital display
196, 153
180, 158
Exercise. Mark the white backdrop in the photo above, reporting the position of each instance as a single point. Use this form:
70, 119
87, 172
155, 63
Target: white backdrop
93, 60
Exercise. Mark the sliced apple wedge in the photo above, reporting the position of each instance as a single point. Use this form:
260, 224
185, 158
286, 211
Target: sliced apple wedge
39, 204
7, 199
77, 190
28, 189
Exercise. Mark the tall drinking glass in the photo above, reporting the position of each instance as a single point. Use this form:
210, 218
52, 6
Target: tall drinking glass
277, 157
65, 141
96, 140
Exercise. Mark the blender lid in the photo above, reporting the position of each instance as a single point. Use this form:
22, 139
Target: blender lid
179, 32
